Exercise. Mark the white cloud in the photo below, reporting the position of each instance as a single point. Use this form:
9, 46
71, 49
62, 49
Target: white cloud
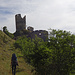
41, 14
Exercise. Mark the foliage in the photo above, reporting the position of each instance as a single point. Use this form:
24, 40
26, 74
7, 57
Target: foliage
55, 57
25, 45
7, 32
35, 52
63, 49
21, 33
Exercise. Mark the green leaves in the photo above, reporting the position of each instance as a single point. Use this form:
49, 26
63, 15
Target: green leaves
55, 57
7, 32
62, 46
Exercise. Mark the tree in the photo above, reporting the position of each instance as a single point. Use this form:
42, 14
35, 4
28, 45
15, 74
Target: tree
63, 49
35, 53
5, 29
7, 32
54, 57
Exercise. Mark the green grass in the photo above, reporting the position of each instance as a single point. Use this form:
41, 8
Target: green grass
6, 50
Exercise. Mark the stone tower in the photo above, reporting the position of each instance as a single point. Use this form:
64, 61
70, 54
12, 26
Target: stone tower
20, 22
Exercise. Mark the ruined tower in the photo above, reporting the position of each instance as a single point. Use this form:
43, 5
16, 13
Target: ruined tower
20, 22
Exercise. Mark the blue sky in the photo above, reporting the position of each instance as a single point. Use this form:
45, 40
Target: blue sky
40, 14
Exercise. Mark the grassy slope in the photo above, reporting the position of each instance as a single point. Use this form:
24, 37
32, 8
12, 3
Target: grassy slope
6, 50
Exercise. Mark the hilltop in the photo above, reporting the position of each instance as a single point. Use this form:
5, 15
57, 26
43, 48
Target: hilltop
6, 50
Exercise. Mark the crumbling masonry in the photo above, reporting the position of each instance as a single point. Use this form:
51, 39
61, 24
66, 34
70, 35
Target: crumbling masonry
21, 25
20, 22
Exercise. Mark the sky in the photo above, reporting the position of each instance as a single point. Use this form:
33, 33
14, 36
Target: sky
40, 14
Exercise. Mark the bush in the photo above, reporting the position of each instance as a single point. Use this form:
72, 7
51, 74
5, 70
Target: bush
56, 57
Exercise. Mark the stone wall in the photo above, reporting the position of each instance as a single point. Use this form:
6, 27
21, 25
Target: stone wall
21, 26
20, 22
39, 33
30, 28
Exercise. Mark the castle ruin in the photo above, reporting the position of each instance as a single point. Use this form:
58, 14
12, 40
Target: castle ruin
21, 26
20, 22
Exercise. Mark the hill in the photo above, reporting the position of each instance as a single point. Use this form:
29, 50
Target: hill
6, 50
